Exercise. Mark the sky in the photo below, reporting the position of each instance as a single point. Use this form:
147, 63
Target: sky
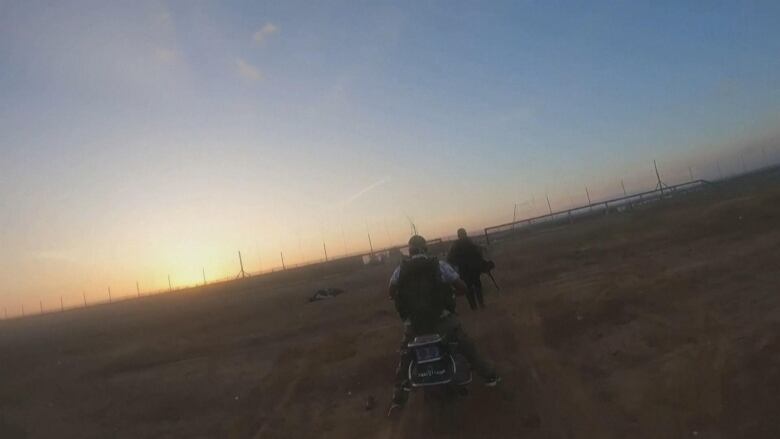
147, 139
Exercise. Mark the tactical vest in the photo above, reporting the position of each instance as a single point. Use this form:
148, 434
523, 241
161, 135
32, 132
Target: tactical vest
422, 296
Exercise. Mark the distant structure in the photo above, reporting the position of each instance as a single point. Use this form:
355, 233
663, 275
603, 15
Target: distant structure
661, 185
242, 273
411, 224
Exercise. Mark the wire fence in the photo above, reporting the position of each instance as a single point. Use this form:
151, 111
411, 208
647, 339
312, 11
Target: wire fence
568, 216
535, 213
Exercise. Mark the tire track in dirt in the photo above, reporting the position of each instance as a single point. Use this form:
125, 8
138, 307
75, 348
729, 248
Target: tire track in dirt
529, 339
289, 390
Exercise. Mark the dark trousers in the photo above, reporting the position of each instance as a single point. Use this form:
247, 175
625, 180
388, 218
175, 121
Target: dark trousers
474, 293
450, 329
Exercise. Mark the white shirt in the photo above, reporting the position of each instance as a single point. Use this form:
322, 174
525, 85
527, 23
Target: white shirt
447, 274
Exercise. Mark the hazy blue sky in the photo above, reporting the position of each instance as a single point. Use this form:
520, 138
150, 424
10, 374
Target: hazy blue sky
139, 139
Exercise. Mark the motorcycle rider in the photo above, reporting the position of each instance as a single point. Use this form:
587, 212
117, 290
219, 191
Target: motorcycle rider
467, 257
422, 289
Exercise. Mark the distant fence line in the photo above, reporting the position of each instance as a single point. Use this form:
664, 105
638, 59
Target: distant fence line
619, 203
490, 235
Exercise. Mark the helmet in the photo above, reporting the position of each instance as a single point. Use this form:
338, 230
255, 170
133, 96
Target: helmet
417, 245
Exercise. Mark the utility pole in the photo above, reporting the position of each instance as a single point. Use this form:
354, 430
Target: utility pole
170, 286
84, 294
387, 233
204, 275
62, 305
587, 193
660, 186
625, 194
242, 273
137, 289
282, 255
344, 239
300, 251
41, 302
109, 295
549, 207
370, 246
411, 223
325, 249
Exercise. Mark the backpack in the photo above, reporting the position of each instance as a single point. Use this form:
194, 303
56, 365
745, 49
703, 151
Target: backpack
422, 296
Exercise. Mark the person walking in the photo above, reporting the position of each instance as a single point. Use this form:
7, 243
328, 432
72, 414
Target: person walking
467, 257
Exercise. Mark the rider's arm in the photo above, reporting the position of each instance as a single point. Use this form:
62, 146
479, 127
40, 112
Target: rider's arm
392, 286
392, 291
450, 276
460, 287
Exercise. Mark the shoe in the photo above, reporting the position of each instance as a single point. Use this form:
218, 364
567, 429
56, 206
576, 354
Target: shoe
393, 407
493, 382
400, 396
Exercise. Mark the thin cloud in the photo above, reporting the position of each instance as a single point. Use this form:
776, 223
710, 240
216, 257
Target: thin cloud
364, 191
248, 71
165, 56
56, 255
265, 32
518, 115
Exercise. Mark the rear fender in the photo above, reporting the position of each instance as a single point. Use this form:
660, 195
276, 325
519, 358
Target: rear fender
433, 373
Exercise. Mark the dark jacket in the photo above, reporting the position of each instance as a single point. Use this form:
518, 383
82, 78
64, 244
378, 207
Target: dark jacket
422, 296
467, 258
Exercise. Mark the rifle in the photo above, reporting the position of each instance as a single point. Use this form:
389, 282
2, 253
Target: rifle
488, 267
490, 275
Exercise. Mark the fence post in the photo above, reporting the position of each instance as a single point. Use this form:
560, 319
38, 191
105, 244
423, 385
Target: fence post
487, 238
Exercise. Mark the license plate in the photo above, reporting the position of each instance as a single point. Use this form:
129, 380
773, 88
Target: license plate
427, 353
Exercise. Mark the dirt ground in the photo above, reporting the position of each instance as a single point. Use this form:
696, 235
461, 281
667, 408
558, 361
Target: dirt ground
663, 322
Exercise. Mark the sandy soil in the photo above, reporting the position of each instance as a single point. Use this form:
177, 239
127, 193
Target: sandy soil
663, 322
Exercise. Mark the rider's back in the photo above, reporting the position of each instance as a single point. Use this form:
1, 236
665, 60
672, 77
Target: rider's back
422, 296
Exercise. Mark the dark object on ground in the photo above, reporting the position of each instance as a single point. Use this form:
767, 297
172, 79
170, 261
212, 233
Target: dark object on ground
370, 403
532, 421
325, 293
